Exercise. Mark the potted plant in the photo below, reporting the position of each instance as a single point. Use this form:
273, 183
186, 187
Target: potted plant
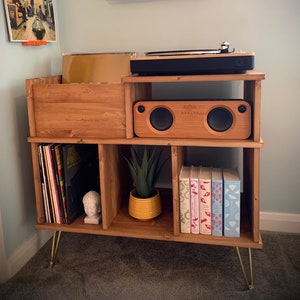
144, 199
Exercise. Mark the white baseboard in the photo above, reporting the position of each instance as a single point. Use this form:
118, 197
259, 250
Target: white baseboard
24, 253
280, 222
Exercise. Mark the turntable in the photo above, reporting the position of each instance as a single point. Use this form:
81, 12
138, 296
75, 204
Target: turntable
193, 62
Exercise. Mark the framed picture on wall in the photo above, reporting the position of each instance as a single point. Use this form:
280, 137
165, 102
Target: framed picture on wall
30, 20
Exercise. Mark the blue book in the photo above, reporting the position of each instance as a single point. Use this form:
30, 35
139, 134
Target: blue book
232, 203
217, 202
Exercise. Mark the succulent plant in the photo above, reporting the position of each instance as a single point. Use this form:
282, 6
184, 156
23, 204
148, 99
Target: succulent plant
145, 170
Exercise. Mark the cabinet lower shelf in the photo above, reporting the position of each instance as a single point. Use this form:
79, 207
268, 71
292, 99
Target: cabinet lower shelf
160, 228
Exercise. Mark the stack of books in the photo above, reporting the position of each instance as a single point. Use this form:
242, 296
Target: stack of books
67, 172
210, 201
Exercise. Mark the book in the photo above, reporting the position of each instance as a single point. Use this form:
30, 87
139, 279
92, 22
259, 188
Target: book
205, 199
48, 186
217, 202
71, 166
81, 172
44, 184
194, 195
57, 157
232, 200
184, 199
52, 184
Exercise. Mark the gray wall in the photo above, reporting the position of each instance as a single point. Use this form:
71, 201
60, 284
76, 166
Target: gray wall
270, 28
17, 63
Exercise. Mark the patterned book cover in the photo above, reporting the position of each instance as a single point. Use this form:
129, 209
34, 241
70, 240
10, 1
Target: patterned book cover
195, 209
217, 202
205, 199
184, 198
232, 200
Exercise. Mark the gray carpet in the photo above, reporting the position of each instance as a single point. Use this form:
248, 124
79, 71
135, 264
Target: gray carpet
99, 267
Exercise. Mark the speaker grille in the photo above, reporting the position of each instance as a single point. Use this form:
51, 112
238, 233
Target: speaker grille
220, 119
161, 119
199, 119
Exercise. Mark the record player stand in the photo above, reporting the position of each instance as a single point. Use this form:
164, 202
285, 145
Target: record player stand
101, 114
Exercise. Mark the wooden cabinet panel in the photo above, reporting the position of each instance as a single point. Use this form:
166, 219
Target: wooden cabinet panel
102, 114
79, 110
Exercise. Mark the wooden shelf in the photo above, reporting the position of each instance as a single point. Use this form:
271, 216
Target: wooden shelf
249, 143
248, 76
156, 233
159, 229
90, 114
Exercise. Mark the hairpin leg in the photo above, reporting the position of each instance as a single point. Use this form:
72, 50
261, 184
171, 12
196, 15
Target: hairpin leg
251, 284
55, 243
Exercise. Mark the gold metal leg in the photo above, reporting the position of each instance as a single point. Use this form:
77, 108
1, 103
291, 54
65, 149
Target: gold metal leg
55, 243
251, 284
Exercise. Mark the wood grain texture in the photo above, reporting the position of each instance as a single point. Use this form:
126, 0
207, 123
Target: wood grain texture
79, 110
102, 114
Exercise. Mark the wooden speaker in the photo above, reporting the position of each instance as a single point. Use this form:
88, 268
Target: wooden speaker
218, 119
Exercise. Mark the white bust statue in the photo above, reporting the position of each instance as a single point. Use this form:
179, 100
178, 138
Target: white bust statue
91, 202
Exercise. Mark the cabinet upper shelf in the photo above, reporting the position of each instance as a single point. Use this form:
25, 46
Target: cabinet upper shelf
249, 143
103, 113
248, 76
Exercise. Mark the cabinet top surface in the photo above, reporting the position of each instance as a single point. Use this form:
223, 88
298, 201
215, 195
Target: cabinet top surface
248, 76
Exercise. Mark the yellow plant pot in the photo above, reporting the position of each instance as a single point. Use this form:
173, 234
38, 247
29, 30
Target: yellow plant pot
144, 208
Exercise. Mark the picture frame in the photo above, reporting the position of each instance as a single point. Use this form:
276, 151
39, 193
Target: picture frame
30, 20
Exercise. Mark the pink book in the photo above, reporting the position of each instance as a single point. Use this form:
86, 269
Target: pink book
194, 194
205, 199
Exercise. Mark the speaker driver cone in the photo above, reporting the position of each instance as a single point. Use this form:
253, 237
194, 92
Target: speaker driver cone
220, 119
161, 119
